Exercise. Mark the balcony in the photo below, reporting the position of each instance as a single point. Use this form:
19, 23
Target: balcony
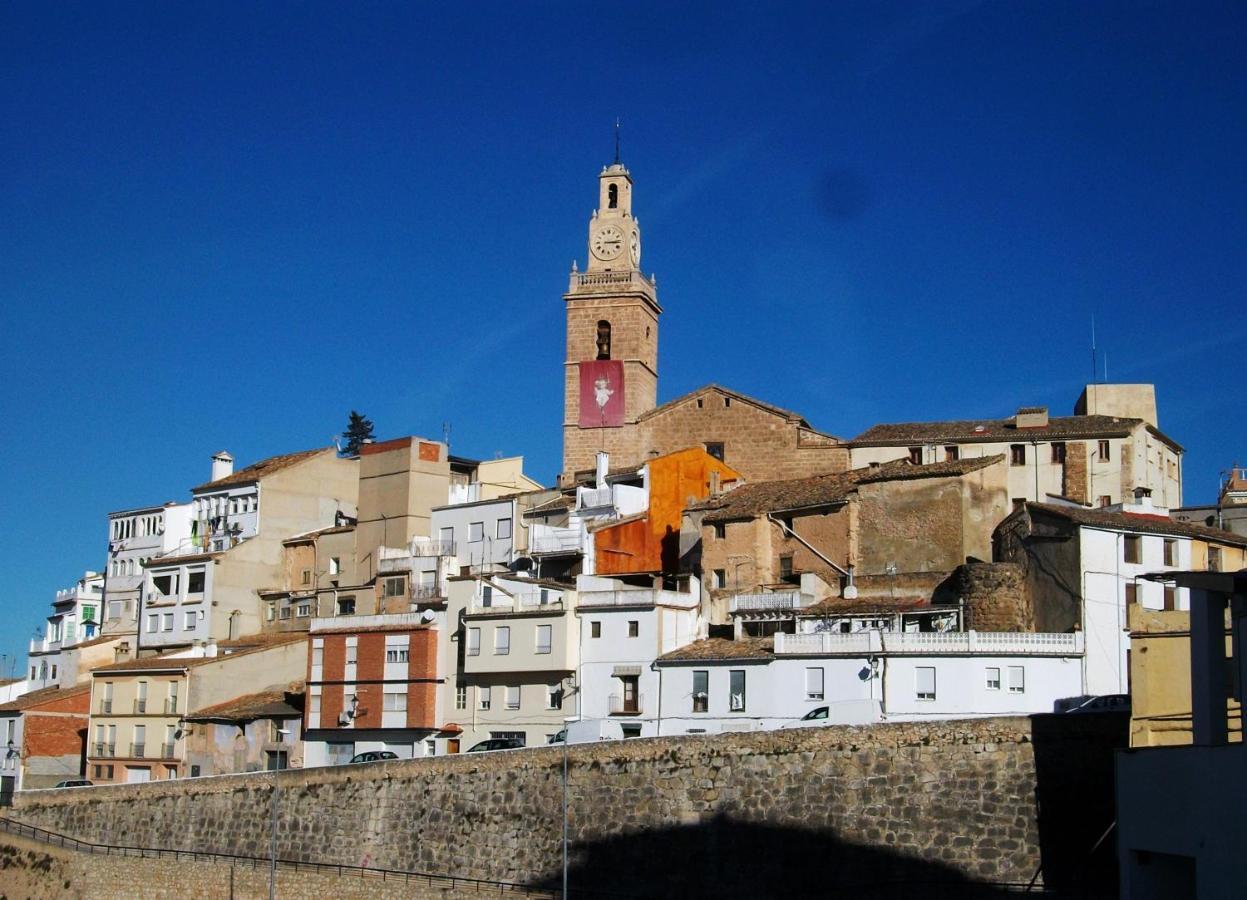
594, 498
625, 705
138, 751
423, 546
522, 603
171, 706
104, 750
167, 751
766, 602
987, 643
610, 280
140, 706
106, 707
642, 597
423, 593
556, 540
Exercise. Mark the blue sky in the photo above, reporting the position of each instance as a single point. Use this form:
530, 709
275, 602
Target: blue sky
225, 225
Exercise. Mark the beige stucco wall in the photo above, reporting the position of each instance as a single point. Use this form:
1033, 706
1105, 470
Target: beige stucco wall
397, 493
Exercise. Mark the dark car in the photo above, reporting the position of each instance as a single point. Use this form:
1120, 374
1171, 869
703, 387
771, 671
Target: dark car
374, 756
74, 782
496, 744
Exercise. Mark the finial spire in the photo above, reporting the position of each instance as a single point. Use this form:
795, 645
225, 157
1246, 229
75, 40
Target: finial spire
616, 140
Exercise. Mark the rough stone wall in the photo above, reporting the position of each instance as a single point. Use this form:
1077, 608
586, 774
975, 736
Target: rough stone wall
722, 815
915, 525
995, 596
1074, 478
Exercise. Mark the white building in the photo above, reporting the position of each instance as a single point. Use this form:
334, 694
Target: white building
717, 685
75, 618
135, 536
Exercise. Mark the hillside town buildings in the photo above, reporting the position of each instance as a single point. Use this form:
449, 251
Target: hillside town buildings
708, 564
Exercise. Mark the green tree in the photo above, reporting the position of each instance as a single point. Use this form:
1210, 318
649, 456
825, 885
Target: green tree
358, 432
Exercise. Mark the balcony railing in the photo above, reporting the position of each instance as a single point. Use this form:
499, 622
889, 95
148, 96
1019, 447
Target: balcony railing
171, 706
956, 642
423, 592
643, 597
771, 601
423, 546
621, 705
105, 750
166, 751
567, 540
608, 279
526, 603
140, 706
138, 751
106, 707
594, 498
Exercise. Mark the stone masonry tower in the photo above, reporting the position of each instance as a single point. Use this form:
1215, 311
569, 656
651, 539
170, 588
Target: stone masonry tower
611, 368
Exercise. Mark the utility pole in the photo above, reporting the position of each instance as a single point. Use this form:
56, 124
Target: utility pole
272, 871
564, 897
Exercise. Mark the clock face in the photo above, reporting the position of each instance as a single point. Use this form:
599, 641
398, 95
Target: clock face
607, 243
634, 247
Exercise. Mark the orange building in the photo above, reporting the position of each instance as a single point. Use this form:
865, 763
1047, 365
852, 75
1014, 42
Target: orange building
650, 541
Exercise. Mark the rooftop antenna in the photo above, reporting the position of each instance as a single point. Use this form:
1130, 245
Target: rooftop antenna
1093, 366
616, 140
446, 434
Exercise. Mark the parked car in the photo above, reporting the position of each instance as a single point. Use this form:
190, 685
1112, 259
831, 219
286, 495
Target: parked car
374, 756
74, 782
496, 744
840, 712
587, 730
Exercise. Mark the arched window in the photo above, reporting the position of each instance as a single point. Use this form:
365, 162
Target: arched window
612, 196
604, 339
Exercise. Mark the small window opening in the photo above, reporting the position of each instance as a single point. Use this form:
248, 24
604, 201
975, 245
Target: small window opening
604, 339
612, 196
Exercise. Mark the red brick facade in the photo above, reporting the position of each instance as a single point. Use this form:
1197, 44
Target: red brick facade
369, 683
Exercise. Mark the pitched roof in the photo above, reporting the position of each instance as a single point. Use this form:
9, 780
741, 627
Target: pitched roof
263, 468
307, 536
736, 395
988, 430
263, 704
239, 646
751, 500
709, 649
1139, 522
34, 698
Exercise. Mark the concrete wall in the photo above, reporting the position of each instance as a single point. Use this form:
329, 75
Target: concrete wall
224, 747
725, 816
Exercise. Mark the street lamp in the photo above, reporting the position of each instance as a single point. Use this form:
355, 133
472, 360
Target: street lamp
566, 723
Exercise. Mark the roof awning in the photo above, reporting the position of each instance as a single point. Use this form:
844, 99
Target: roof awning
626, 671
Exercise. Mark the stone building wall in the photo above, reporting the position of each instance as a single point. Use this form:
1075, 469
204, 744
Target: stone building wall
725, 815
1074, 476
995, 596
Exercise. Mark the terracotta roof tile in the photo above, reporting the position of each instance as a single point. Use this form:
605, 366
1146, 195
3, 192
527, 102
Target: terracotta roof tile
989, 430
1147, 524
840, 606
34, 698
736, 395
722, 648
264, 704
264, 467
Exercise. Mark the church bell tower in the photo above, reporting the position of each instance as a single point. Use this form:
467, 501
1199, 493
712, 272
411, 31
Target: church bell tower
611, 368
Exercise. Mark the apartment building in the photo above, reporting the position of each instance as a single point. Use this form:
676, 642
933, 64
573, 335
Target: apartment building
372, 684
75, 618
138, 729
135, 536
318, 579
208, 589
41, 738
1099, 456
510, 658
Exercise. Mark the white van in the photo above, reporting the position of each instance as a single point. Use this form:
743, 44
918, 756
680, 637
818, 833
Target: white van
586, 731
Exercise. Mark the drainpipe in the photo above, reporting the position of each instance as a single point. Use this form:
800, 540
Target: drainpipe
847, 573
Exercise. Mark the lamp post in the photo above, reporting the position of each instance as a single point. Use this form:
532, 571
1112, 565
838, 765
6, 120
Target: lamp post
566, 722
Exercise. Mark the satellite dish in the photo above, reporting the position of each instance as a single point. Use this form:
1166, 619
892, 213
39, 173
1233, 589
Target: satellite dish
428, 616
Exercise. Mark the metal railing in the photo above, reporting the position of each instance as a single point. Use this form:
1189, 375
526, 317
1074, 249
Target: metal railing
140, 706
106, 707
620, 705
12, 826
105, 750
171, 706
780, 600
167, 751
138, 751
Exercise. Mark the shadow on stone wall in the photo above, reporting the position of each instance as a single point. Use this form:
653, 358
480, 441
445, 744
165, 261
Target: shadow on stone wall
725, 859
1074, 794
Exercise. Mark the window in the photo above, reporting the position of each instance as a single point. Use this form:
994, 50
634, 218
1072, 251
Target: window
461, 697
285, 612
736, 690
595, 629
474, 642
352, 651
306, 576
190, 619
396, 654
915, 455
720, 530
396, 586
484, 696
513, 696
1132, 593
166, 622
447, 540
720, 578
612, 196
785, 566
1017, 454
195, 582
604, 339
993, 678
1171, 552
1105, 500
1017, 679
1214, 559
1104, 451
318, 660
545, 635
487, 595
53, 670
335, 565
1171, 598
727, 402
634, 628
952, 453
270, 612
699, 403
346, 606
163, 585
171, 701
394, 701
504, 529
476, 532
502, 640
814, 684
715, 449
1132, 550
1058, 452
924, 682
554, 696
701, 690
303, 610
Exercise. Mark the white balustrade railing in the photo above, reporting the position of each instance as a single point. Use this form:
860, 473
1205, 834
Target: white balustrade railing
985, 642
645, 597
338, 622
765, 601
561, 540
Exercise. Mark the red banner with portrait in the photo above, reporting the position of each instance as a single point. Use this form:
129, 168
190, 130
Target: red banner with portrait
601, 393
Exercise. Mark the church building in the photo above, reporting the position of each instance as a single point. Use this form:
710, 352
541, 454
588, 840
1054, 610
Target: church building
611, 373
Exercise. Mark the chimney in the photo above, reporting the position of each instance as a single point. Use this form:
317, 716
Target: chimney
222, 465
715, 489
602, 467
210, 647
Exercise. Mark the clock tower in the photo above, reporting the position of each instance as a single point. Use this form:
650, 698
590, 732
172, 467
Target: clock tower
611, 368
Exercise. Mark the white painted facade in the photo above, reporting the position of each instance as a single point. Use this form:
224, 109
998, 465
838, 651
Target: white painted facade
76, 617
482, 534
872, 677
623, 630
134, 536
177, 603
